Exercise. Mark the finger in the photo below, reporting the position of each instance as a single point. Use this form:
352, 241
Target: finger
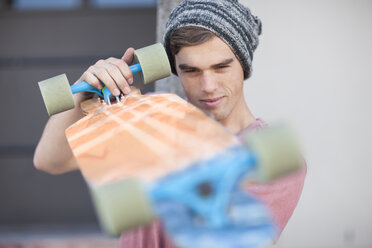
128, 56
117, 71
124, 69
107, 80
91, 79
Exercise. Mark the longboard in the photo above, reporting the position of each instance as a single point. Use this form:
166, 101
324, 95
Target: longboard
157, 156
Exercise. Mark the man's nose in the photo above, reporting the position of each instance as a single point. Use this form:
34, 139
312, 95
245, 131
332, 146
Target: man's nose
208, 82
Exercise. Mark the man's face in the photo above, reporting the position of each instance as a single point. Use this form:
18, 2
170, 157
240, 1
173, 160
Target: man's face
212, 78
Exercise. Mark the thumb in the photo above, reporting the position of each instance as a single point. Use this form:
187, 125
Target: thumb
128, 56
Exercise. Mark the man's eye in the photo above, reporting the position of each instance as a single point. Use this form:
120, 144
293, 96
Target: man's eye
190, 70
222, 66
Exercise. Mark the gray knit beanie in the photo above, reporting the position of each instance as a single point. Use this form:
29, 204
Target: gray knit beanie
227, 19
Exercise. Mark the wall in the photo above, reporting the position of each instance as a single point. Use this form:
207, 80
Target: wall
35, 46
313, 70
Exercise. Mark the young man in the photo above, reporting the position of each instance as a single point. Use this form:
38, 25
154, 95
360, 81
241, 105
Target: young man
210, 45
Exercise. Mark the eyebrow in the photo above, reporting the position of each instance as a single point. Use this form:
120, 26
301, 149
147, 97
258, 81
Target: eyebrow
215, 66
223, 63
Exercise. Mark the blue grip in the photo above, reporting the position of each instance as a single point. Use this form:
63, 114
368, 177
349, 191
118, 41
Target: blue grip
85, 87
135, 68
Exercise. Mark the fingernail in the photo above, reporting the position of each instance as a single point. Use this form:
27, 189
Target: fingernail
126, 90
116, 92
130, 81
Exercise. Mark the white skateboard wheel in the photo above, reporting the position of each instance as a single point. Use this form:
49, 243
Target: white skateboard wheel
57, 95
154, 62
277, 152
121, 205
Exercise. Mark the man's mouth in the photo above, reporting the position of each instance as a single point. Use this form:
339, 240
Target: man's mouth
211, 102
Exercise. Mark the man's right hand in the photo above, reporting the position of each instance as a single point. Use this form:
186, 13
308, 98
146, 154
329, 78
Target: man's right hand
114, 73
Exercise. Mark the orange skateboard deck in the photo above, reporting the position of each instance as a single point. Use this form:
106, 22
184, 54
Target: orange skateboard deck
143, 136
136, 153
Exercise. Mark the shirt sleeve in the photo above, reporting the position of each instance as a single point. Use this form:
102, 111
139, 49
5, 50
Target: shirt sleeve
150, 236
280, 195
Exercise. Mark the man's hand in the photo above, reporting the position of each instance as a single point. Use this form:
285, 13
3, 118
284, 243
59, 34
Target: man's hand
114, 73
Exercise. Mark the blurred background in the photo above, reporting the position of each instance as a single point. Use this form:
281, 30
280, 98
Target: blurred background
38, 40
311, 69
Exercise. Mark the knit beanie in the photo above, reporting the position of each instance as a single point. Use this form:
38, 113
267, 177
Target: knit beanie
227, 19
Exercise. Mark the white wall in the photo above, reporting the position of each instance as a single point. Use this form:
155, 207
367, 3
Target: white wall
313, 69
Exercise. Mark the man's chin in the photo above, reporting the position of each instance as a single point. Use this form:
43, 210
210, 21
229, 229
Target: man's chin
213, 114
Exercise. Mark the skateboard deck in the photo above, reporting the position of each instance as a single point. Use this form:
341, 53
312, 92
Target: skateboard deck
143, 136
157, 156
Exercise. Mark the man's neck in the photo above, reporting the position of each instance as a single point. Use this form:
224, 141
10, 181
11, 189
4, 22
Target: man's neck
240, 118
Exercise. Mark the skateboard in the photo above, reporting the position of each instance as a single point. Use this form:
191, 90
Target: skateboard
157, 156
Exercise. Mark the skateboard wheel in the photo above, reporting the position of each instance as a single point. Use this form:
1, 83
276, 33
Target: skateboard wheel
121, 205
57, 95
154, 62
277, 151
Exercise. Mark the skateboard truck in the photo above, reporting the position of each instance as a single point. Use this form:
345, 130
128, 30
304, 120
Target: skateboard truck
104, 93
151, 62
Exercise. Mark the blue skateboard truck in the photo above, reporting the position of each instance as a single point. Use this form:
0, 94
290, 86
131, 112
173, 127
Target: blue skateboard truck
105, 92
